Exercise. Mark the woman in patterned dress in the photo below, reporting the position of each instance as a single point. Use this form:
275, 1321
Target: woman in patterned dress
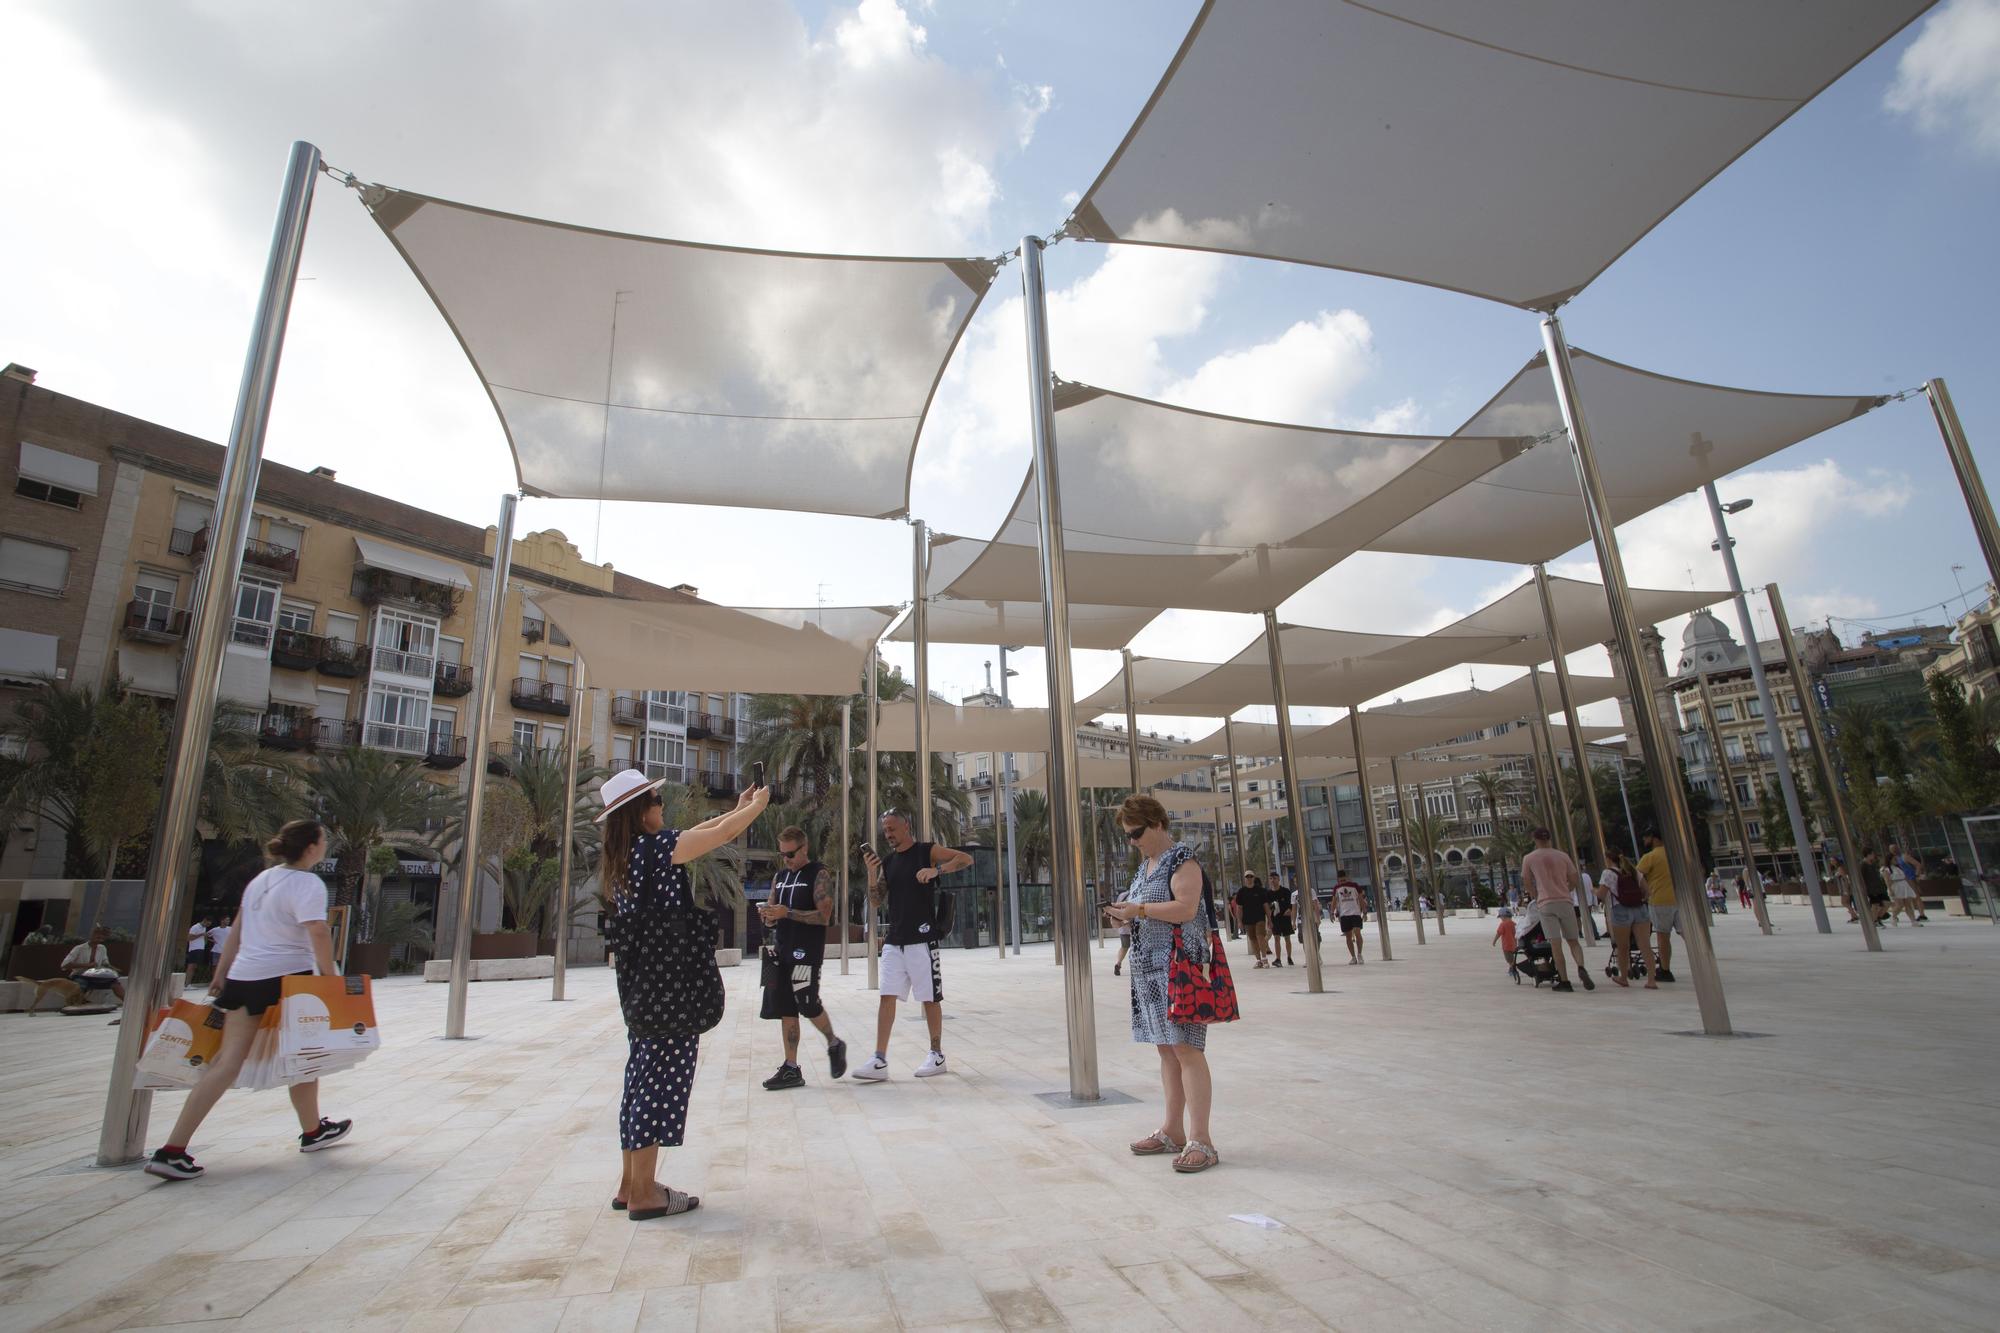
1166, 891
645, 863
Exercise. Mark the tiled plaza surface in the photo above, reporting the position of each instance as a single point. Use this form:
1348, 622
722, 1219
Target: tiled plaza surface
1441, 1149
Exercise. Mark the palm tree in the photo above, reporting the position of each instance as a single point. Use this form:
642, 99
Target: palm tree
53, 724
1031, 832
247, 792
542, 777
716, 879
1511, 844
1424, 833
369, 798
797, 739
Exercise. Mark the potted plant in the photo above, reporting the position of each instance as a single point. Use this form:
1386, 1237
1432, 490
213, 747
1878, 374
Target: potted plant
402, 924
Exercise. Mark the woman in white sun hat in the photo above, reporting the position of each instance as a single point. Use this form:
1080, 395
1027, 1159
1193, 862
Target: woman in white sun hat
667, 984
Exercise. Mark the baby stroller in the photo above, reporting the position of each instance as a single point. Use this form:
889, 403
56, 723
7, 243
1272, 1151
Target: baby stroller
1635, 966
1533, 956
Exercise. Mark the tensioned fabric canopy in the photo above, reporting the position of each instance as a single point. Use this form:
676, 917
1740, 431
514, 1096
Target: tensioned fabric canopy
634, 368
957, 620
1519, 741
1166, 506
629, 644
955, 728
1328, 768
1657, 439
1512, 151
1583, 617
1099, 772
1515, 699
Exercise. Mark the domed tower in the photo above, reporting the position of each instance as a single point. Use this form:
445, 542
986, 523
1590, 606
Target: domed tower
1707, 646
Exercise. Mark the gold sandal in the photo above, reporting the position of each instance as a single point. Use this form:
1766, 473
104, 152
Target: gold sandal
1156, 1144
1207, 1157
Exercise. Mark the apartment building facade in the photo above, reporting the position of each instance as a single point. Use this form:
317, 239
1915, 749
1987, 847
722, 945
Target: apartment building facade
355, 619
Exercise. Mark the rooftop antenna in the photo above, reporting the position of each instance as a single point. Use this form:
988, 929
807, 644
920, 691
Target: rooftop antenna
989, 677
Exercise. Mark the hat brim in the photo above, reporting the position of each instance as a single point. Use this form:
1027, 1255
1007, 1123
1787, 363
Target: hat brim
628, 798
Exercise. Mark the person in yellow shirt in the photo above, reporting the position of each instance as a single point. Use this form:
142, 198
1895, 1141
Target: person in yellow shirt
1661, 906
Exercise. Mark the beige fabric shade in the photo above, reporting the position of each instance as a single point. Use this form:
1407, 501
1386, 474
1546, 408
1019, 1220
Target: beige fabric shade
636, 645
1512, 151
1520, 741
1019, 624
1100, 772
633, 368
1165, 506
1583, 617
1331, 769
1657, 439
1515, 699
955, 728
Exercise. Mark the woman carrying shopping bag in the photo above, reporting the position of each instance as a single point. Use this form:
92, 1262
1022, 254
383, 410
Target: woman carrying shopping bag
668, 988
1180, 979
280, 931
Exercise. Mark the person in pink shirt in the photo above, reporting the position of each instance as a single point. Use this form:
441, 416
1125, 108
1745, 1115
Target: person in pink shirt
1551, 876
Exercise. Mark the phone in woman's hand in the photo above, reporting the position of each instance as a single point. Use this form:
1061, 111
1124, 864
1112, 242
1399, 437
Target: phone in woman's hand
757, 774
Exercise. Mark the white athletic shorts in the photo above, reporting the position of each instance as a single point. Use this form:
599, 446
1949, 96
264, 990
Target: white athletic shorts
911, 972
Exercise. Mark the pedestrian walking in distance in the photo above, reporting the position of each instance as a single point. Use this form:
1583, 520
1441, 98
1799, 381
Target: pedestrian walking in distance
1552, 876
800, 906
1662, 910
1350, 907
906, 883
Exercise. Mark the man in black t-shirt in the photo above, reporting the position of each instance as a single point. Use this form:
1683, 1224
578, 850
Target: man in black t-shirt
799, 908
906, 882
1251, 901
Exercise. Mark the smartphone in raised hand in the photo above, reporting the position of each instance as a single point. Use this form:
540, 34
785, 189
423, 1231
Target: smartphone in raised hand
757, 774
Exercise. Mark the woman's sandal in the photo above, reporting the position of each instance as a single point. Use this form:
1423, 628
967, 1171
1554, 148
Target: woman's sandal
677, 1203
1205, 1158
1156, 1144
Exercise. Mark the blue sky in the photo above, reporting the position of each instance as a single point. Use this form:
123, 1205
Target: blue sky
1850, 252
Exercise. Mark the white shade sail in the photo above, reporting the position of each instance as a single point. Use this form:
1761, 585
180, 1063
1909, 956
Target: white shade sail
1520, 741
1165, 506
1019, 624
1583, 617
1515, 699
1657, 439
636, 645
956, 728
372, 554
1099, 772
633, 368
1512, 151
1326, 769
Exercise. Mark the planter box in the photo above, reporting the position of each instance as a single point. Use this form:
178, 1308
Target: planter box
494, 969
37, 961
369, 960
504, 944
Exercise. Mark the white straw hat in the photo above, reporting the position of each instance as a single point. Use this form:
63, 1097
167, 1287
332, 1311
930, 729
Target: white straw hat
622, 787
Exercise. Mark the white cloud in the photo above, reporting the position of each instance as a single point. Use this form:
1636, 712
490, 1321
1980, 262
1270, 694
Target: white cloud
1303, 375
1948, 79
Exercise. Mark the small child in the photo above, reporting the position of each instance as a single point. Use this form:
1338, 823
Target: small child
1503, 936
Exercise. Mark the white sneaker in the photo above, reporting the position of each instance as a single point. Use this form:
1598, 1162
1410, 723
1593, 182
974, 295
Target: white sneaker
932, 1066
874, 1071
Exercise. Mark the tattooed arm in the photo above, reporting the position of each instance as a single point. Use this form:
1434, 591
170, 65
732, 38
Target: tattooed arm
822, 908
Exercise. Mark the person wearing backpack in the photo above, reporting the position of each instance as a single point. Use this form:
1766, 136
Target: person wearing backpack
668, 988
1623, 894
1180, 980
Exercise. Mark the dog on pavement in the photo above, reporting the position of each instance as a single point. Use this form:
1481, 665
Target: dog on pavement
69, 992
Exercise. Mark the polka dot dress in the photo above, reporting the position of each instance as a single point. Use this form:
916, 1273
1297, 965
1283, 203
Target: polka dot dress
659, 1072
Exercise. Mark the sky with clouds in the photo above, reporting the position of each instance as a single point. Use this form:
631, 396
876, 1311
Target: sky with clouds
1849, 252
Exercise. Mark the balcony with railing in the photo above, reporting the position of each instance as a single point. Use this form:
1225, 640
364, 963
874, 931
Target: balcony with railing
534, 630
452, 680
337, 657
297, 650
718, 783
503, 757
376, 586
400, 663
675, 773
254, 633
540, 696
289, 729
444, 751
628, 712
666, 715
266, 557
704, 726
153, 622
332, 733
392, 736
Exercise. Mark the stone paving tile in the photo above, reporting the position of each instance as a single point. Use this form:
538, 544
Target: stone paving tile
1442, 1150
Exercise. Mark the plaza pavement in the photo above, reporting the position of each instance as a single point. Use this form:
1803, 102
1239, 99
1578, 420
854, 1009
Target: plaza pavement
1440, 1148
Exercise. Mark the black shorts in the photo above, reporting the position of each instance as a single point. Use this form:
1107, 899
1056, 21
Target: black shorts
1350, 923
253, 997
1281, 927
793, 993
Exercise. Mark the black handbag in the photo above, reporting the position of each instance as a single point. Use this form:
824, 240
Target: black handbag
668, 983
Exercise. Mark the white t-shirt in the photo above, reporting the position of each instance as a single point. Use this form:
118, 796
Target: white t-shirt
276, 907
217, 937
197, 937
85, 955
1347, 899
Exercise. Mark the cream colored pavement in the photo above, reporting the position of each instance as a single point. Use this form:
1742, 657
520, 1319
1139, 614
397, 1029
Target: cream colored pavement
1441, 1149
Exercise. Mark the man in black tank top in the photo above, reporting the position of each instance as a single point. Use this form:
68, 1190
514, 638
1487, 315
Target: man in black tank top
800, 906
906, 882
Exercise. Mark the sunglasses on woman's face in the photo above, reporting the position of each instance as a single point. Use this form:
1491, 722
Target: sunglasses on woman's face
1136, 833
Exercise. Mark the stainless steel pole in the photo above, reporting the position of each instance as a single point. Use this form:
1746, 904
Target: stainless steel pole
1368, 828
1836, 804
579, 721
999, 864
1669, 800
1236, 808
1586, 779
168, 884
1625, 799
1295, 798
1729, 790
485, 687
1013, 833
874, 814
1773, 725
1409, 853
846, 823
1131, 724
1977, 502
920, 633
1065, 845
1565, 822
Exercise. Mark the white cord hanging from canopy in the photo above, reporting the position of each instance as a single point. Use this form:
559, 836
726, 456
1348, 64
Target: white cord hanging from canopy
1658, 438
1165, 506
634, 368
641, 645
1512, 151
